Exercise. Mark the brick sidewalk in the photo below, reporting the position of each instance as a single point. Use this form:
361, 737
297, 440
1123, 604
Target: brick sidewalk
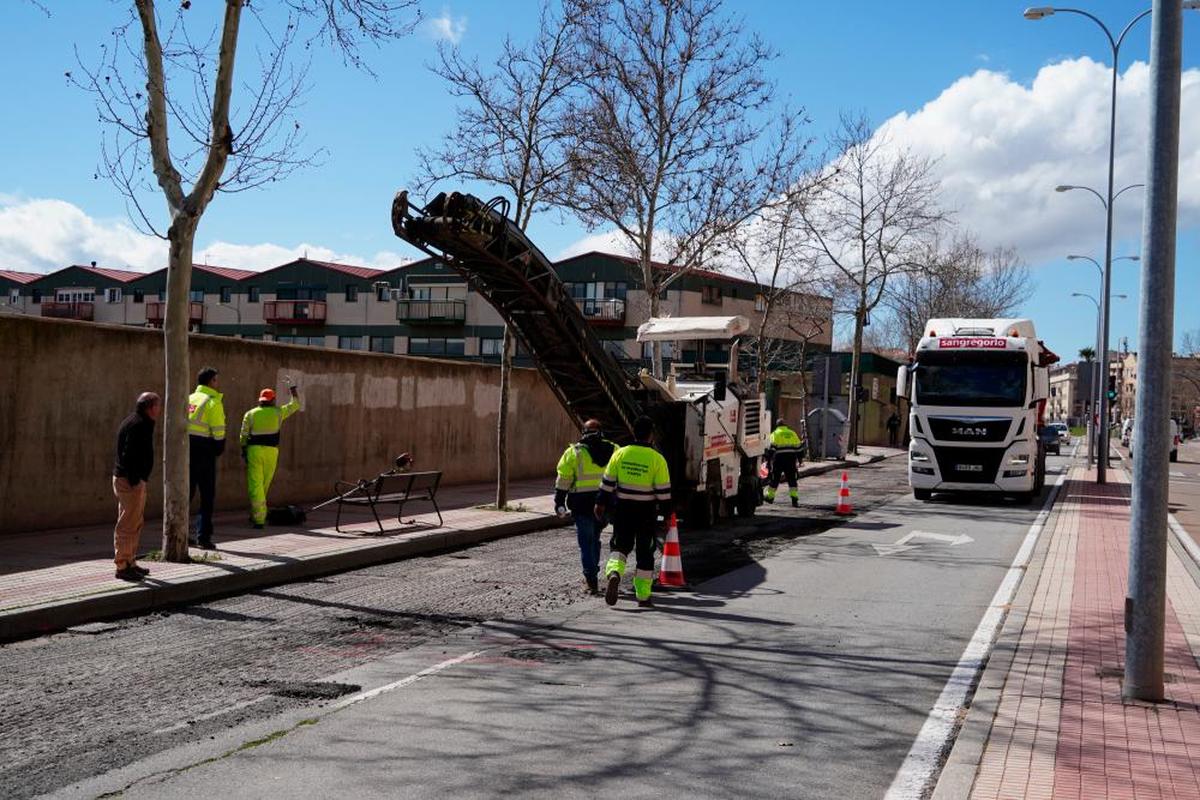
1061, 729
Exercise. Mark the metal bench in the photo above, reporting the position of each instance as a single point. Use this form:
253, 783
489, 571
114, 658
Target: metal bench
389, 488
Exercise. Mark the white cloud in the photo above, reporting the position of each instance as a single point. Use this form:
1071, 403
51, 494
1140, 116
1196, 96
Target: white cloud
1004, 146
447, 27
43, 235
611, 241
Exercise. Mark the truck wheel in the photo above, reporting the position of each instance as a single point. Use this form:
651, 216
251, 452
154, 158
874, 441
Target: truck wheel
924, 495
1024, 498
1174, 455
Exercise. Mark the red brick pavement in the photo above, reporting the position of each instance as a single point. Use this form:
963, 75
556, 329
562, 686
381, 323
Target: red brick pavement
1062, 729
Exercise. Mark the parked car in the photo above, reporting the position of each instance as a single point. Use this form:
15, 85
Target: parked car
1063, 431
1049, 438
1175, 439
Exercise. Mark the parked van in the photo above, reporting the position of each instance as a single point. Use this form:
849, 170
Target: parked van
1126, 431
1174, 441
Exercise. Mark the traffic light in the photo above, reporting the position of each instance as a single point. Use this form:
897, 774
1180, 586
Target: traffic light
1112, 387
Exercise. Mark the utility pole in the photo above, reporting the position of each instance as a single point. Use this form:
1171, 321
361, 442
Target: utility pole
1145, 604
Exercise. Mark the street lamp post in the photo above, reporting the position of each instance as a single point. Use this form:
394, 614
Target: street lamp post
1115, 43
1094, 400
1095, 373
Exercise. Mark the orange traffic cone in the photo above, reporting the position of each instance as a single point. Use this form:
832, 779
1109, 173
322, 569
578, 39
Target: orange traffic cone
671, 571
843, 506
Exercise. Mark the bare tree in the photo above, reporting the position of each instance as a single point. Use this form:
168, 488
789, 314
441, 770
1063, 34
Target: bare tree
768, 251
675, 107
164, 89
877, 209
510, 132
957, 279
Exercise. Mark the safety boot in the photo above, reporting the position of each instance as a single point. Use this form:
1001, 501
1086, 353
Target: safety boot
593, 585
647, 603
610, 591
795, 502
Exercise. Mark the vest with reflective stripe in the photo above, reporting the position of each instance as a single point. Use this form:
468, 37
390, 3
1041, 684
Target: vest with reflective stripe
577, 472
206, 414
784, 440
261, 424
639, 473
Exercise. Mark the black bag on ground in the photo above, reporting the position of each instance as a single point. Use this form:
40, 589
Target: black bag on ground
287, 515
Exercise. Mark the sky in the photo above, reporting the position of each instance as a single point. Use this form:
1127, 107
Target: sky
1009, 107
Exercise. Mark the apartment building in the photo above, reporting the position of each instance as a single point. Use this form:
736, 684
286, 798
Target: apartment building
420, 309
1071, 392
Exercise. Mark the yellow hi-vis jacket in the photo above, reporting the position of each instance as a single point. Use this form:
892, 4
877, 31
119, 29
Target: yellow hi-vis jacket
637, 474
261, 424
206, 414
787, 448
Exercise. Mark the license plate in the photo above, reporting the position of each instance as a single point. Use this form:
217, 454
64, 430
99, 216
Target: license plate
969, 467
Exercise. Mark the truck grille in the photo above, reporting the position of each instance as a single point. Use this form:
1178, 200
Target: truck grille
969, 464
969, 429
750, 413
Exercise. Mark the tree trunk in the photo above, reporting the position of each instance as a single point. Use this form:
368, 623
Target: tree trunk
855, 376
502, 420
804, 393
178, 386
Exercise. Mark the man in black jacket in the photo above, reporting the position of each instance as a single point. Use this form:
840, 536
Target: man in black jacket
135, 460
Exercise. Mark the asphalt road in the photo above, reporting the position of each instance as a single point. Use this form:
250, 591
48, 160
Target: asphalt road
807, 671
81, 704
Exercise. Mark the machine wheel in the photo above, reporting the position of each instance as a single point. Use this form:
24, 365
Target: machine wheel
924, 495
699, 512
747, 501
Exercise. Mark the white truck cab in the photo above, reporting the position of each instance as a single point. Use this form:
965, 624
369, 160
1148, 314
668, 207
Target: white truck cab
978, 391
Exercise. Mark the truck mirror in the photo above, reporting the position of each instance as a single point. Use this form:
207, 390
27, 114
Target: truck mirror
719, 387
902, 381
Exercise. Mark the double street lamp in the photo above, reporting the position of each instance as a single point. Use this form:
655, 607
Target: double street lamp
1094, 441
1041, 12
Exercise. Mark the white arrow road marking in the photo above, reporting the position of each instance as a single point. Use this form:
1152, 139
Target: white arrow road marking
902, 544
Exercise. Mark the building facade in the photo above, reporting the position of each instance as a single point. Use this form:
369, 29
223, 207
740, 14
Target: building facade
420, 309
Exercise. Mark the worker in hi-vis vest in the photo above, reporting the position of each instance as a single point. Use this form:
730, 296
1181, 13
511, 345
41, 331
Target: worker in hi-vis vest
260, 447
785, 452
206, 442
637, 479
578, 482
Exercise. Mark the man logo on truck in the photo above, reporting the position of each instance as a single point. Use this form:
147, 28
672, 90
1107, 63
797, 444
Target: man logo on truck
969, 431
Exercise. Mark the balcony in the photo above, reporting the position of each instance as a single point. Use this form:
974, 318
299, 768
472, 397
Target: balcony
445, 312
157, 312
294, 312
609, 311
59, 310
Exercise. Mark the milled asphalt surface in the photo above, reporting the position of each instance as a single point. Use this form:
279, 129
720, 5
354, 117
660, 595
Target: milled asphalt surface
81, 704
806, 672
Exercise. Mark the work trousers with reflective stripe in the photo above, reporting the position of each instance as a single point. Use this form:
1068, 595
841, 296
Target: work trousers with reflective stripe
783, 471
633, 529
202, 469
261, 461
131, 514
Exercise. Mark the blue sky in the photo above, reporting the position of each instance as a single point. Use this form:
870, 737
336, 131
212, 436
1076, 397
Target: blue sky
884, 58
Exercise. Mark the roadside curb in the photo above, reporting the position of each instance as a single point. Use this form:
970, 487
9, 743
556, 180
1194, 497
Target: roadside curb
957, 775
59, 615
834, 466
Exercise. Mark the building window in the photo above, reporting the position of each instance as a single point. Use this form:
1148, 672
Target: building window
301, 293
710, 295
112, 295
760, 302
162, 295
351, 294
75, 295
311, 341
668, 350
616, 347
491, 347
36, 297
139, 295
226, 294
14, 296
350, 343
383, 344
196, 296
421, 346
251, 294
383, 291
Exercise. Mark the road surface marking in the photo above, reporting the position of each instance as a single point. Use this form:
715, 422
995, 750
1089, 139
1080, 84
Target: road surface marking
923, 761
400, 684
1179, 475
902, 544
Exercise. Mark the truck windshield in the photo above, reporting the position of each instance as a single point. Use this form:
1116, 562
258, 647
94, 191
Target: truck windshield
972, 379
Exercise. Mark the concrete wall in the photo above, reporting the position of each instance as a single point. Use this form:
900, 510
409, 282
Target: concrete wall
65, 386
